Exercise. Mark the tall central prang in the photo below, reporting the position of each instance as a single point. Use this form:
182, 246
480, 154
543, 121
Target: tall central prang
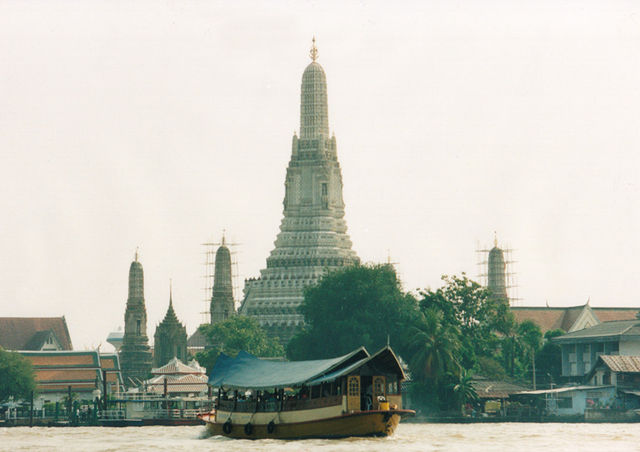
313, 233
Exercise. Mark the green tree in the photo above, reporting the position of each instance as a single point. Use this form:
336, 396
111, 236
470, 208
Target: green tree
530, 338
233, 335
549, 359
463, 389
16, 376
360, 305
480, 319
433, 347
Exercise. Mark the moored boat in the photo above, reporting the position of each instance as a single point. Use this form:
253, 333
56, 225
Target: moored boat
352, 395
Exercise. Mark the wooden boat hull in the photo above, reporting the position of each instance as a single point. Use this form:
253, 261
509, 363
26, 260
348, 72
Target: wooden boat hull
362, 423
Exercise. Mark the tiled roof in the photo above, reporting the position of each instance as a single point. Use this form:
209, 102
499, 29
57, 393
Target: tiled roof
546, 318
62, 359
183, 383
175, 366
551, 318
602, 330
17, 332
55, 371
612, 314
621, 363
66, 375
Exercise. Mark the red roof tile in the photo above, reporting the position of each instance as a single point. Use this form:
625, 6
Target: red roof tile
16, 332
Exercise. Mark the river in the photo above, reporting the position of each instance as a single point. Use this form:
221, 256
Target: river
409, 437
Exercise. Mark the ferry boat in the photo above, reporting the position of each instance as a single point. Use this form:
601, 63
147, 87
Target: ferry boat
357, 394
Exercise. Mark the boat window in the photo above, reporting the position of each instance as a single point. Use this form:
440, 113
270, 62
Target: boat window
354, 387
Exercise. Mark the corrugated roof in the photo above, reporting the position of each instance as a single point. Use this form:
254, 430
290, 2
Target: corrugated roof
567, 389
604, 330
247, 371
622, 363
17, 332
495, 389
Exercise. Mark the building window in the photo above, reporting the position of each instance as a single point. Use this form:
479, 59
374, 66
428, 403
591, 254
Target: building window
606, 378
325, 190
565, 402
138, 326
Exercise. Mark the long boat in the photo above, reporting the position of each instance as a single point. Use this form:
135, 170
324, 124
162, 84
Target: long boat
357, 394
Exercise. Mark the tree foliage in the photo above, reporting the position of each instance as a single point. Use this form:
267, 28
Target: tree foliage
361, 305
549, 359
481, 320
433, 347
16, 376
233, 335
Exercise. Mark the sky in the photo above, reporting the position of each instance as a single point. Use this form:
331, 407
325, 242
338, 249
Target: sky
159, 124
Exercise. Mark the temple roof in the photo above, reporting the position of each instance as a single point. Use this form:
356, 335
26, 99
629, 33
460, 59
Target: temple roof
178, 383
551, 318
56, 370
27, 333
175, 366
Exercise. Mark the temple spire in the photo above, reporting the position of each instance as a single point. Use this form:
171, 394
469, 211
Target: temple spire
313, 53
314, 115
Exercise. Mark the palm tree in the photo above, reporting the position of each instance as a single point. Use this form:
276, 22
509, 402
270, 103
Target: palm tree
464, 389
433, 347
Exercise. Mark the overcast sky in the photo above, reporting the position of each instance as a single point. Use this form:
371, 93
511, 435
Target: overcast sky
159, 124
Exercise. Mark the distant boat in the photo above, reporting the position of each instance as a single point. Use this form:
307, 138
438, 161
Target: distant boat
352, 395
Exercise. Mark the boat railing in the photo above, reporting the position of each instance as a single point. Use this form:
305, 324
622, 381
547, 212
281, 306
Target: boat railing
273, 405
111, 414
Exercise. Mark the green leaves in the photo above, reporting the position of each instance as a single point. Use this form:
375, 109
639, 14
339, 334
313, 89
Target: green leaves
233, 335
16, 376
350, 307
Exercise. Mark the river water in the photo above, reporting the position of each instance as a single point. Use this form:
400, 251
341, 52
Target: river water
409, 437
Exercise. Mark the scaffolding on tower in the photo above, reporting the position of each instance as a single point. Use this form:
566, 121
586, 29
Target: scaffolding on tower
210, 249
503, 280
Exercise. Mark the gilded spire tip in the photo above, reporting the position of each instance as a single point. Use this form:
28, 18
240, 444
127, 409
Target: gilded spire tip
137, 248
495, 239
314, 50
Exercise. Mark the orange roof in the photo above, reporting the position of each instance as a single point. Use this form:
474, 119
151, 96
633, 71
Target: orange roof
612, 314
55, 359
546, 318
551, 318
66, 375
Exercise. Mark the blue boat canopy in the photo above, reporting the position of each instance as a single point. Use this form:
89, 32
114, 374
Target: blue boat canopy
245, 371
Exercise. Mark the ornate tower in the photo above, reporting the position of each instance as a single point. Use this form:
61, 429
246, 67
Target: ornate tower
222, 304
135, 355
497, 273
170, 339
313, 233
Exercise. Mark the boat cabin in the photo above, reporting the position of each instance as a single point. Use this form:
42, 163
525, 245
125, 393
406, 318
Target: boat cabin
351, 383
